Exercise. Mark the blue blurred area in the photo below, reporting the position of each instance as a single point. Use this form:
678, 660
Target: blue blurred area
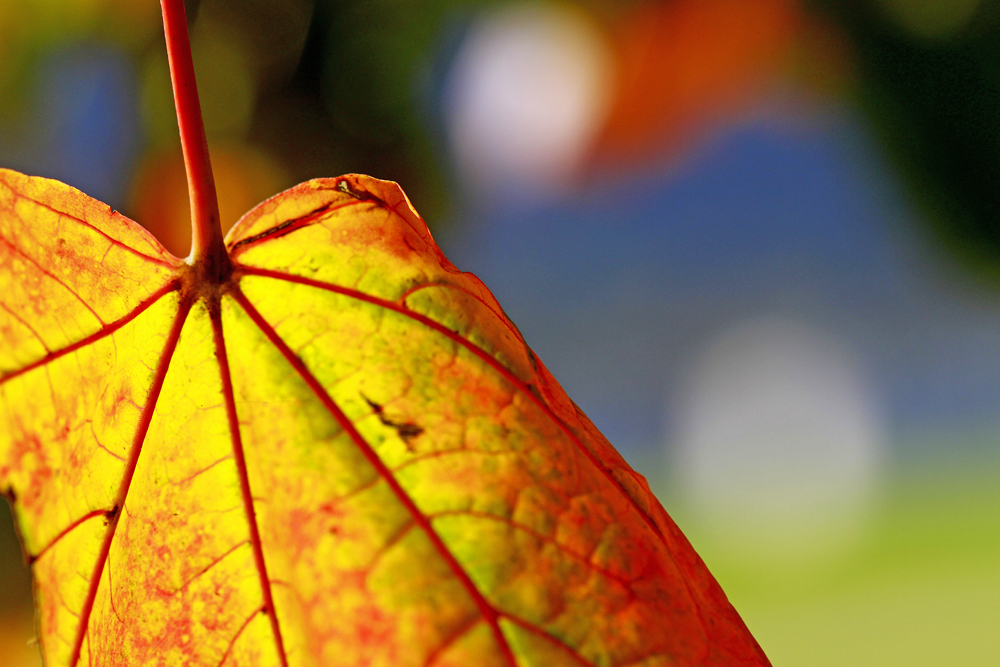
616, 287
84, 128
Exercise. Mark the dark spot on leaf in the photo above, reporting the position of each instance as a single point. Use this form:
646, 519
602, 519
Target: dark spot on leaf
406, 430
530, 386
345, 187
110, 515
363, 195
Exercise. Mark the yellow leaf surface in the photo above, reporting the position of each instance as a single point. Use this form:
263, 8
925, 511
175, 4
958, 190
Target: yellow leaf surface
343, 455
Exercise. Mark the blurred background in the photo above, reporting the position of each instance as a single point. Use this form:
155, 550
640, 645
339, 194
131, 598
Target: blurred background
757, 241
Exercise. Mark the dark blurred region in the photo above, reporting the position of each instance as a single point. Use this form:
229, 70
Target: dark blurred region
15, 599
756, 240
301, 88
929, 81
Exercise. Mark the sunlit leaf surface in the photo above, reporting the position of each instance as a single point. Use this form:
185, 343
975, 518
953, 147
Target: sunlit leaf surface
343, 455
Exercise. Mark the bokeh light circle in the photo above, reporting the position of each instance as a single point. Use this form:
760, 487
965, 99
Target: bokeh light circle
779, 441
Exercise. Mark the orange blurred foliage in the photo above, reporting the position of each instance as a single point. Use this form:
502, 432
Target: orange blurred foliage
687, 64
243, 178
17, 640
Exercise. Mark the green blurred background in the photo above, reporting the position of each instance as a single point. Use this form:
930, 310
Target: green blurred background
757, 241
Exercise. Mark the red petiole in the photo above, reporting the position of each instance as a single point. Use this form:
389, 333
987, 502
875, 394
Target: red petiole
208, 250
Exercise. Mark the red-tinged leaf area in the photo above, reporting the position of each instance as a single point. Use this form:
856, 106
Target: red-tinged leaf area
344, 454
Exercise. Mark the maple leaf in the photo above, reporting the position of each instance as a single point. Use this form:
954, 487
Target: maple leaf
315, 442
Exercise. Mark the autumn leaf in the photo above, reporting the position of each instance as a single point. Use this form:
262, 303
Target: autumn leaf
317, 444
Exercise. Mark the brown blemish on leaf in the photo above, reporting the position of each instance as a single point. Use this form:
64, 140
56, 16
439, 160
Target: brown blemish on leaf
111, 515
362, 195
408, 431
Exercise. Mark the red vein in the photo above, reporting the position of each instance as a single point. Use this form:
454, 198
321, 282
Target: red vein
433, 656
387, 547
111, 591
539, 536
104, 331
500, 315
114, 241
476, 350
196, 473
643, 659
66, 531
215, 561
27, 326
486, 610
504, 372
232, 642
140, 435
290, 226
110, 452
420, 458
99, 444
51, 276
241, 468
441, 453
538, 632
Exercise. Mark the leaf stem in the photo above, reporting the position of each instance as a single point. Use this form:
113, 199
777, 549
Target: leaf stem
208, 250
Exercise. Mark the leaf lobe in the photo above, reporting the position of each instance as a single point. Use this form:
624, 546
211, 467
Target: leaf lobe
147, 415
485, 608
